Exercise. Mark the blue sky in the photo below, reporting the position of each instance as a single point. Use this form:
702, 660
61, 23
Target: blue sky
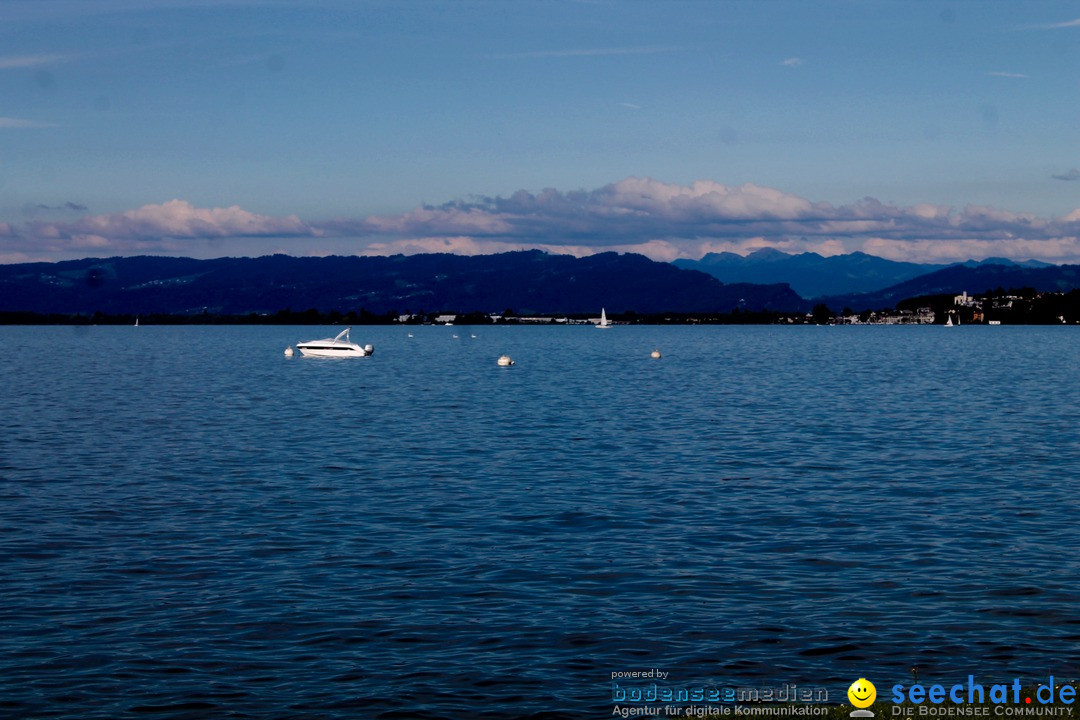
914, 130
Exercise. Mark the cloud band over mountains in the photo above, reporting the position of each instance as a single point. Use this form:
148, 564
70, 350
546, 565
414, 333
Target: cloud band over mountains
658, 219
666, 220
150, 229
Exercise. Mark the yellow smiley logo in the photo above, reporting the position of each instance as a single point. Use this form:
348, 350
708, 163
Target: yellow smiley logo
862, 693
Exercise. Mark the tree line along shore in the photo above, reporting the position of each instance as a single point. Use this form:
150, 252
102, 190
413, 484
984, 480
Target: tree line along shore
1023, 306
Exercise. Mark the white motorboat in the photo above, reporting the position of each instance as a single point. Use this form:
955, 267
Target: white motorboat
340, 346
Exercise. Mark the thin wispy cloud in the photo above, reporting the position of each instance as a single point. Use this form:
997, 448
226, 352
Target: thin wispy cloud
1007, 74
1070, 176
792, 62
1055, 26
589, 52
27, 61
632, 106
18, 123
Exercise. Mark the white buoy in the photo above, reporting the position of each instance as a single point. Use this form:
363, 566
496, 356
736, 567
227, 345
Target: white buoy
505, 361
655, 354
289, 351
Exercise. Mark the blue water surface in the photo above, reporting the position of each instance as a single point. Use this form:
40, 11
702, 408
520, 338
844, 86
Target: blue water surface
193, 525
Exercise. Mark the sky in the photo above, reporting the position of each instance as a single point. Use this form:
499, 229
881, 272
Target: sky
923, 131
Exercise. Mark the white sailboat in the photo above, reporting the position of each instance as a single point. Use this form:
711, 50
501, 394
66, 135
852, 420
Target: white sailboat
603, 324
948, 321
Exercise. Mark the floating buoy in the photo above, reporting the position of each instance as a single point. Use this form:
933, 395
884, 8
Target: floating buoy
289, 351
505, 361
655, 354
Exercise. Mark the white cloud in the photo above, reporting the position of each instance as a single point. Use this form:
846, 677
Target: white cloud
446, 219
18, 123
25, 61
89, 241
177, 219
792, 62
174, 227
1007, 74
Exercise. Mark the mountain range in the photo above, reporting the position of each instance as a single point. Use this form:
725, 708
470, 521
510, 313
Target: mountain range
527, 282
812, 275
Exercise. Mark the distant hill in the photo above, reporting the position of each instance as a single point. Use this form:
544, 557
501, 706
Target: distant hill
529, 282
1007, 261
812, 275
955, 279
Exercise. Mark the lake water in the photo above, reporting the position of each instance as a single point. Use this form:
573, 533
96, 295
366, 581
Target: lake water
192, 525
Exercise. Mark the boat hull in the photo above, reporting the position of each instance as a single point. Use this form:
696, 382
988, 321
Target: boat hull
331, 350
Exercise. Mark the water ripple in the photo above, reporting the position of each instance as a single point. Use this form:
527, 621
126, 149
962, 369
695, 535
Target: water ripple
192, 532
